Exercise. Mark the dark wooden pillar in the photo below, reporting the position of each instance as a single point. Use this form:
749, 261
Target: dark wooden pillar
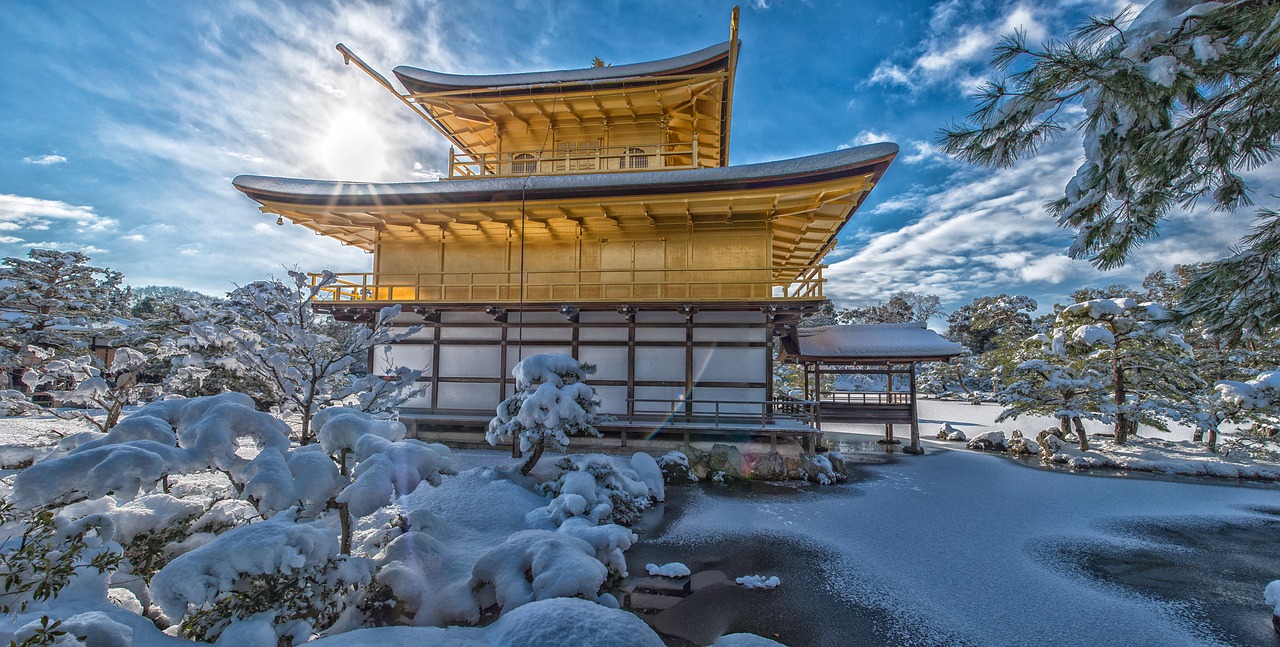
435, 366
914, 447
629, 314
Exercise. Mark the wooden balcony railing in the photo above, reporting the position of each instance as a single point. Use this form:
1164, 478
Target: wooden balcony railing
865, 397
579, 286
594, 159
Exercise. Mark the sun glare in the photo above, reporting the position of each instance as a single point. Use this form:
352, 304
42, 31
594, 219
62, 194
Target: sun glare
353, 149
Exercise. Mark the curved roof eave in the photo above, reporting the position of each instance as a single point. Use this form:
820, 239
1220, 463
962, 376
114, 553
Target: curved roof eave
872, 158
420, 80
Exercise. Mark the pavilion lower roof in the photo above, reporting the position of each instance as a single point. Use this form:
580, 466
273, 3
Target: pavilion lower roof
804, 202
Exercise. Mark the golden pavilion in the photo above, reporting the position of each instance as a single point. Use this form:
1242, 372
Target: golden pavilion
593, 212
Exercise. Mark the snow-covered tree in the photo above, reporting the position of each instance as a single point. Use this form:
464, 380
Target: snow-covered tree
1255, 406
1172, 109
552, 402
52, 300
1051, 383
981, 323
86, 382
1149, 369
271, 331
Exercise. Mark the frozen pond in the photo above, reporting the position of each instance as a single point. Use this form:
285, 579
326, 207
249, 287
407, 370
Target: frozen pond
963, 548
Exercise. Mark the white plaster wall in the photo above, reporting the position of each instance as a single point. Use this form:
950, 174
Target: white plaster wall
469, 361
655, 364
610, 361
414, 356
482, 397
613, 399
728, 334
729, 364
671, 335
727, 396
656, 392
449, 332
603, 334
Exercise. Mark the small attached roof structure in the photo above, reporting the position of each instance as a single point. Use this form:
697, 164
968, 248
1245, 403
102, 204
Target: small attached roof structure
868, 344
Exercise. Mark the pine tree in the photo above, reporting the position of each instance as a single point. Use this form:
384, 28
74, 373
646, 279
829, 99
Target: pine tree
1149, 368
552, 401
1173, 105
51, 300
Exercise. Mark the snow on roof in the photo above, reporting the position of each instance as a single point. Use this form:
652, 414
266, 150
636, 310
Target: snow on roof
421, 80
870, 341
325, 191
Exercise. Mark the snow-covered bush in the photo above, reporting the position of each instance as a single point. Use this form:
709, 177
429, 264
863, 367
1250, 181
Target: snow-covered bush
537, 565
44, 554
288, 569
595, 488
552, 402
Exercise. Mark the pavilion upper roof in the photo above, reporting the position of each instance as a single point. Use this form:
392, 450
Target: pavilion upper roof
687, 97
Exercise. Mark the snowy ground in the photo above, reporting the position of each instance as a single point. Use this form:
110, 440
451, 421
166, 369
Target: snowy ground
954, 547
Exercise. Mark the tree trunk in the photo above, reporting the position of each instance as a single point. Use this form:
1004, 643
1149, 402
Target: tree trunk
1064, 424
1213, 440
960, 379
1121, 427
1197, 436
1080, 433
533, 459
344, 516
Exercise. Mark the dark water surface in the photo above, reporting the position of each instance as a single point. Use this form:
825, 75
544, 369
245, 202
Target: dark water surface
803, 611
1214, 570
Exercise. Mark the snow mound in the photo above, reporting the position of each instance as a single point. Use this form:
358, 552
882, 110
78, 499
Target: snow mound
673, 569
759, 581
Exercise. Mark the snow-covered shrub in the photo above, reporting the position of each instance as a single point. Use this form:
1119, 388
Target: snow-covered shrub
271, 331
389, 469
552, 402
90, 628
594, 487
283, 567
537, 565
45, 554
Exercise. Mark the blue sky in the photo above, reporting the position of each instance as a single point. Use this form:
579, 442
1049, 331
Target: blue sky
122, 124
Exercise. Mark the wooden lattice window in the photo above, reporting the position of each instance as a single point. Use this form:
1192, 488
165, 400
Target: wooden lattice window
637, 158
523, 164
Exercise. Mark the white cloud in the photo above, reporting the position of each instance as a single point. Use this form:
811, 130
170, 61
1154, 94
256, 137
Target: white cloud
986, 231
134, 238
957, 41
9, 240
45, 160
66, 247
22, 212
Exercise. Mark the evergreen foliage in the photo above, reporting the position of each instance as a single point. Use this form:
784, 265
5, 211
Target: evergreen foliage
1174, 105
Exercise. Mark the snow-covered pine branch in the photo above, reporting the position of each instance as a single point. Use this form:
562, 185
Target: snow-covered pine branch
1171, 108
